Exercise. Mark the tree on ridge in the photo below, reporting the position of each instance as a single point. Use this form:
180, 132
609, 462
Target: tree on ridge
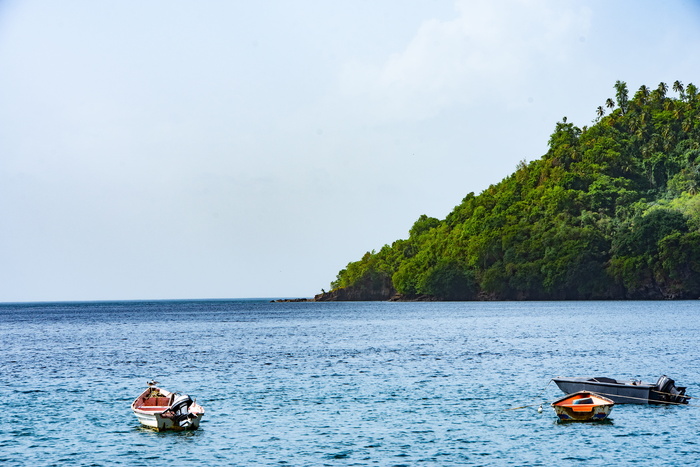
621, 95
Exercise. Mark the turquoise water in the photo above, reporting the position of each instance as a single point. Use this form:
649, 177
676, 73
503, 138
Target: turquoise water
339, 384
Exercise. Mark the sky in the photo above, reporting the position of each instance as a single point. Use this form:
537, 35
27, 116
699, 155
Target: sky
234, 149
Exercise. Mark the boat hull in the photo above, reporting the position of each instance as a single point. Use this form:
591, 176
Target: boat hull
160, 423
620, 394
596, 414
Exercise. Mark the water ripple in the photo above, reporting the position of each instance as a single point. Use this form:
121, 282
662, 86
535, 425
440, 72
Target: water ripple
341, 383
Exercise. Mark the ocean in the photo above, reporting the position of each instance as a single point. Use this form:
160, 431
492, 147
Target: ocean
342, 384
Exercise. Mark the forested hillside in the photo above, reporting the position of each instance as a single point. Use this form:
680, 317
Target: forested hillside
611, 211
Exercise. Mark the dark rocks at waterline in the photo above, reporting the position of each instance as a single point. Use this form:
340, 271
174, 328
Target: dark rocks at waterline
292, 300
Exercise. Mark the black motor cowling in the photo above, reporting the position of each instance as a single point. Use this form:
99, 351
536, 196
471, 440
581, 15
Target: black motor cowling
180, 409
668, 392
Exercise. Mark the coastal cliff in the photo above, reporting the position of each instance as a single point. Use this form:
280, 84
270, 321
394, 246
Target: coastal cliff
371, 287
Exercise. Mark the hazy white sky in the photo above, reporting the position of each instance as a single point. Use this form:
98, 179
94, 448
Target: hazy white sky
222, 149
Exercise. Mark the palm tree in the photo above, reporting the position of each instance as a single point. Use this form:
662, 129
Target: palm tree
691, 91
677, 113
666, 138
644, 92
663, 89
610, 103
643, 118
678, 87
621, 95
600, 111
687, 125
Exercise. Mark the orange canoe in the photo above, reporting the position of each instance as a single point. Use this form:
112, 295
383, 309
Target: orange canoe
583, 406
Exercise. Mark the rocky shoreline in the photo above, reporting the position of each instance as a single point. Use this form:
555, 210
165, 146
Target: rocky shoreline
342, 297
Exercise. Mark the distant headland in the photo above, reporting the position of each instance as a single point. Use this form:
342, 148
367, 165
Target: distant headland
611, 211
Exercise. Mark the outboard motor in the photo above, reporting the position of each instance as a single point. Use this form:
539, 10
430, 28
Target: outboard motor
668, 392
180, 410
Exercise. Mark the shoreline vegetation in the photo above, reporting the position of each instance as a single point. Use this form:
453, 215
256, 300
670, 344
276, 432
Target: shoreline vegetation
610, 212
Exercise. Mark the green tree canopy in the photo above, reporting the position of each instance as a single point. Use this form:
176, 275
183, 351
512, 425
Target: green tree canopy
610, 211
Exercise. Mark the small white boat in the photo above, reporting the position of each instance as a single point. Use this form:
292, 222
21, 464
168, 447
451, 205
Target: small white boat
583, 406
165, 410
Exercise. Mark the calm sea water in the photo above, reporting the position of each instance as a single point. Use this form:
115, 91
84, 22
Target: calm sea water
339, 384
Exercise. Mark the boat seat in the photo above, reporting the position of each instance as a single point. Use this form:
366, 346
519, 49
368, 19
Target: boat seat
603, 380
156, 402
152, 408
586, 405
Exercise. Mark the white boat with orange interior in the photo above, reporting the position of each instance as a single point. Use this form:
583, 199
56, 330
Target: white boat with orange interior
165, 410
